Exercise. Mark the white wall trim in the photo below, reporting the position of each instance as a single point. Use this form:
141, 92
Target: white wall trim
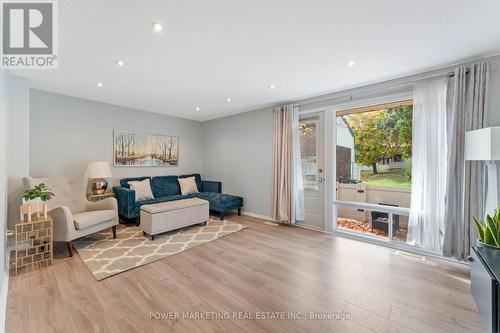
381, 99
270, 219
259, 216
3, 299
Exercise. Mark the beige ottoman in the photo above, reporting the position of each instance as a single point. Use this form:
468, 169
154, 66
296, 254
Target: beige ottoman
166, 216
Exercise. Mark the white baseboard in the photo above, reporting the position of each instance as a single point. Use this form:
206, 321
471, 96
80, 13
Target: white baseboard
3, 299
259, 216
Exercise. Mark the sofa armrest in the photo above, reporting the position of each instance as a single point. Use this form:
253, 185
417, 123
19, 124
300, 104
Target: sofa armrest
106, 204
63, 224
211, 186
125, 198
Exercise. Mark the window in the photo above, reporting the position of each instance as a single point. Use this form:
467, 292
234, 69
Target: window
373, 164
308, 151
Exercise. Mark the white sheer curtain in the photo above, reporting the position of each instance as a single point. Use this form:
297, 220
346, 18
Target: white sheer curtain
429, 165
298, 187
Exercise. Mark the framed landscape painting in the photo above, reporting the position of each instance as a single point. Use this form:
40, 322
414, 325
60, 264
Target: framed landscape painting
141, 149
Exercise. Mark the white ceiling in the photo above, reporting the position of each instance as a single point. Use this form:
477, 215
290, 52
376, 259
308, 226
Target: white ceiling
210, 50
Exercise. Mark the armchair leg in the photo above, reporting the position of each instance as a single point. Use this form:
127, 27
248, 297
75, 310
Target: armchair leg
113, 228
222, 216
239, 211
70, 248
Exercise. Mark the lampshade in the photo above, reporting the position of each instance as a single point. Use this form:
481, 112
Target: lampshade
483, 144
99, 170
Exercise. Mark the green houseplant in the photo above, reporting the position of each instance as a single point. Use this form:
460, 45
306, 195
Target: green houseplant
40, 191
489, 229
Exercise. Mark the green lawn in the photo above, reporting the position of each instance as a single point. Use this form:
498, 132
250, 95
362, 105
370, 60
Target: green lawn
392, 178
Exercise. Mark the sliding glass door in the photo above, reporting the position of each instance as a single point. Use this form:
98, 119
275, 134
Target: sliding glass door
311, 129
373, 170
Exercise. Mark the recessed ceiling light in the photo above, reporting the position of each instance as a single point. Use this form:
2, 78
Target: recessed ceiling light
228, 99
271, 87
100, 84
197, 108
120, 63
157, 27
351, 63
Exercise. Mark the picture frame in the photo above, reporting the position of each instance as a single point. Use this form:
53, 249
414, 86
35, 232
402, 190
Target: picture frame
137, 149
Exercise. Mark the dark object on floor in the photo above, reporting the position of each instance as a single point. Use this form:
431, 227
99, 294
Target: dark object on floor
380, 220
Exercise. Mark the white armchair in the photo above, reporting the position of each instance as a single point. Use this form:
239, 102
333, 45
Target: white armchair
74, 216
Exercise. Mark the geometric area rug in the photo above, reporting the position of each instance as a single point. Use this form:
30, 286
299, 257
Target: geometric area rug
105, 256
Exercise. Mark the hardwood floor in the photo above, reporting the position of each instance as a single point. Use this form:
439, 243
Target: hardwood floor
262, 268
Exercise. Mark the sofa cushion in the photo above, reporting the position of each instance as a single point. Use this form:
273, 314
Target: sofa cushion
188, 185
142, 189
221, 202
197, 178
173, 205
88, 219
124, 181
165, 185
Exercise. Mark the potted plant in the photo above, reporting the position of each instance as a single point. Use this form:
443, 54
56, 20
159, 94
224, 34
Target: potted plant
38, 193
489, 230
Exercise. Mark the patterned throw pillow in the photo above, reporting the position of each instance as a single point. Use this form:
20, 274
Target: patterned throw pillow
142, 189
188, 185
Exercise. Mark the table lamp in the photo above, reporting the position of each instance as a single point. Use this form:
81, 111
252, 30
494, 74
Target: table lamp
98, 172
484, 145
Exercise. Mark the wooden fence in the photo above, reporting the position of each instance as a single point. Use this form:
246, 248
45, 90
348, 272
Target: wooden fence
371, 194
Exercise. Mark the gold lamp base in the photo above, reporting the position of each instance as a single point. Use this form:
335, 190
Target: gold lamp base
99, 186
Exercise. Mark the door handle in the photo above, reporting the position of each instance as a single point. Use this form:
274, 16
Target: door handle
320, 179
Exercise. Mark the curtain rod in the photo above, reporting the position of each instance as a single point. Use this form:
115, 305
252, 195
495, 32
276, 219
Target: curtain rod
350, 96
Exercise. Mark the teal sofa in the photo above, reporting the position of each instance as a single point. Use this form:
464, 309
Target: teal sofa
166, 188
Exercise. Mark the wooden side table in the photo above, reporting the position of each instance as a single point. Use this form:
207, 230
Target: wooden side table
34, 243
97, 197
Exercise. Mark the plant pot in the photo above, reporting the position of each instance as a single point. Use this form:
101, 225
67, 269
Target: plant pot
32, 202
481, 244
36, 205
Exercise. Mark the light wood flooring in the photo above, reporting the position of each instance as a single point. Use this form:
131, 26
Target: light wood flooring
262, 268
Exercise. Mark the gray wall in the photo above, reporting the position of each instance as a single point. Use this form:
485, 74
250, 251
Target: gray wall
14, 156
68, 132
18, 150
3, 177
494, 100
237, 150
494, 93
